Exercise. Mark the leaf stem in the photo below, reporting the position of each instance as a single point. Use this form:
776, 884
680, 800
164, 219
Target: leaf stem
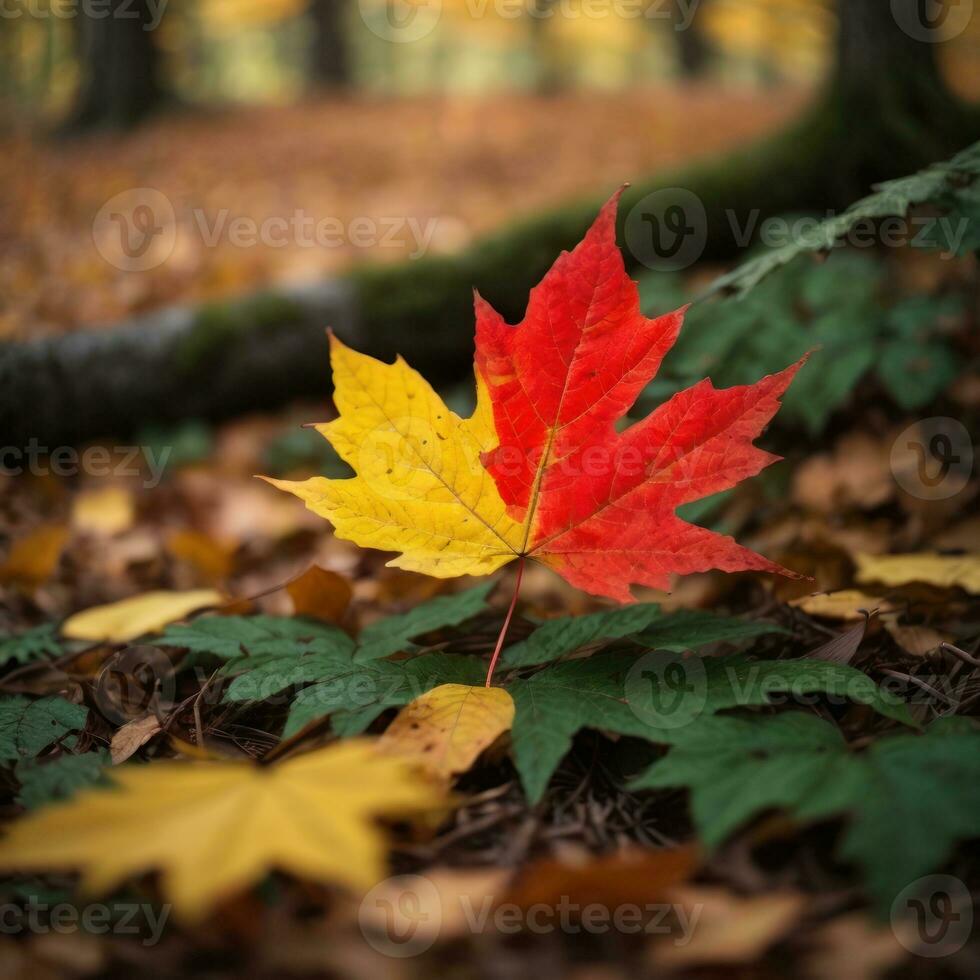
507, 619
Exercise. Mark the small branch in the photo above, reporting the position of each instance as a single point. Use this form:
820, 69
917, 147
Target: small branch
507, 619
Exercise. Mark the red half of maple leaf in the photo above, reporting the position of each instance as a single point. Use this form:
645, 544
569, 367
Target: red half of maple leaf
599, 504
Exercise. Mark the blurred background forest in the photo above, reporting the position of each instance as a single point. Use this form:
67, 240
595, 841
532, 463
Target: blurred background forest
457, 114
191, 191
167, 168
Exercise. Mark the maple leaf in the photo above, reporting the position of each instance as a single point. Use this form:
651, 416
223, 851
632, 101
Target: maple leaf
595, 505
447, 728
128, 619
216, 828
420, 487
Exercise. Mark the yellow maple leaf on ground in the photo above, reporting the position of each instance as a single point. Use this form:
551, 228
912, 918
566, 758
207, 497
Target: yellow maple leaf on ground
120, 622
447, 728
214, 828
945, 571
420, 488
846, 604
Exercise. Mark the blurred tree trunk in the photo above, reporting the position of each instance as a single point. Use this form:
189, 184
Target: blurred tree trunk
331, 52
120, 65
693, 48
871, 45
549, 76
887, 110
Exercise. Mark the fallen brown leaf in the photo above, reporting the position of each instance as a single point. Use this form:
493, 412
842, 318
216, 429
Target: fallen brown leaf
133, 736
728, 928
33, 558
852, 948
629, 877
321, 594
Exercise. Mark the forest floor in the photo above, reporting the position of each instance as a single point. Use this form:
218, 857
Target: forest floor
188, 513
182, 510
381, 180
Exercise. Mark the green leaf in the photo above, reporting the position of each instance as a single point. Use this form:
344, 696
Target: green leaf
282, 653
915, 373
848, 352
689, 630
685, 630
42, 641
958, 232
731, 682
27, 727
395, 633
918, 798
919, 317
654, 694
266, 675
557, 637
911, 798
356, 695
43, 782
555, 703
231, 637
894, 197
736, 768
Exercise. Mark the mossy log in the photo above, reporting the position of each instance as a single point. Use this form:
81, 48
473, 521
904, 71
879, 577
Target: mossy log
263, 351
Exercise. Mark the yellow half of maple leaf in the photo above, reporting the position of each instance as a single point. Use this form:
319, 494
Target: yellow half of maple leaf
214, 828
420, 487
